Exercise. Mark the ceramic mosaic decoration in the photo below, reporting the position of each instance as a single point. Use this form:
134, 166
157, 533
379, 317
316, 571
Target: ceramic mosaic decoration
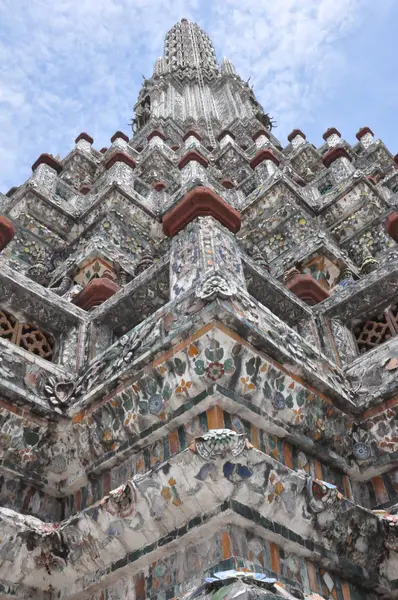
199, 356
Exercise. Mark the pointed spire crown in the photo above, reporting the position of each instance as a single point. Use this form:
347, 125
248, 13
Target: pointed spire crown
187, 46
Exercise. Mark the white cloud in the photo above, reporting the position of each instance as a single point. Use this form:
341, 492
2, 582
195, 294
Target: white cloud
291, 48
76, 65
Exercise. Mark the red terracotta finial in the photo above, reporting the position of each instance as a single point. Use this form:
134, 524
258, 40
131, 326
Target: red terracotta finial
331, 131
391, 225
295, 133
7, 232
333, 154
191, 133
192, 155
363, 131
264, 155
259, 133
227, 183
49, 160
120, 135
223, 134
159, 185
119, 157
85, 188
305, 287
200, 202
95, 293
156, 133
84, 136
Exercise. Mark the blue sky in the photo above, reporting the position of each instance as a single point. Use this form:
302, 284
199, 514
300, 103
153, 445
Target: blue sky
76, 65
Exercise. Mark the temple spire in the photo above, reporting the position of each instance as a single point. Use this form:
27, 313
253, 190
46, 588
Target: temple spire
187, 46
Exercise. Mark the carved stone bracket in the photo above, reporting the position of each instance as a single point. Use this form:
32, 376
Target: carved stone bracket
321, 495
215, 285
220, 443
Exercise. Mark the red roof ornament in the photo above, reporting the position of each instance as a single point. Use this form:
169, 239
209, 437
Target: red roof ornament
200, 202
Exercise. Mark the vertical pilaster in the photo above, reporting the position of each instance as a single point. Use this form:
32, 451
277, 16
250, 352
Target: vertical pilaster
202, 249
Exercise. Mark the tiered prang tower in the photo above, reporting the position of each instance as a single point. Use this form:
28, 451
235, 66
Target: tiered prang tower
198, 356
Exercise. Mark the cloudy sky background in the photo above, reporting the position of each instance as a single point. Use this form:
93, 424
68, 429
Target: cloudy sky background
76, 65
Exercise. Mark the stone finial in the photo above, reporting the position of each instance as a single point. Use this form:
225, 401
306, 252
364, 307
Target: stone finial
369, 263
119, 135
146, 260
49, 160
7, 232
84, 136
260, 258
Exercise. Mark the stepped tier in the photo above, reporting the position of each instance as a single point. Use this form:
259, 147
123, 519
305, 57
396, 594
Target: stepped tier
199, 354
